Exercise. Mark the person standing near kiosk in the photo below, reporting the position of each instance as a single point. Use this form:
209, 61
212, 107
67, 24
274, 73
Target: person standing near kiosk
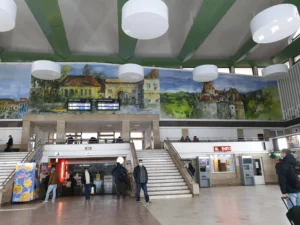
87, 180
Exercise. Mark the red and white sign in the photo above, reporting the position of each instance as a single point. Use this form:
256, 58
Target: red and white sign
222, 148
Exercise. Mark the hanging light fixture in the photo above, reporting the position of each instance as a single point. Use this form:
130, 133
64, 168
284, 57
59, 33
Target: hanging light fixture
8, 12
275, 23
275, 72
145, 19
205, 73
131, 73
46, 70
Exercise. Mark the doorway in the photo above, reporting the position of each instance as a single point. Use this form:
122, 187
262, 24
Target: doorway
258, 172
137, 138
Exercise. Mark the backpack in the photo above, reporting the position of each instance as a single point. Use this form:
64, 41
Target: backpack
293, 176
123, 175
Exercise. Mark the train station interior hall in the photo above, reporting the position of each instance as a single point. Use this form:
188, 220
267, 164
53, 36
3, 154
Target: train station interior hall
153, 112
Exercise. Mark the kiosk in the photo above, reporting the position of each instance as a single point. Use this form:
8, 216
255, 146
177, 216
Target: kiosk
204, 172
247, 173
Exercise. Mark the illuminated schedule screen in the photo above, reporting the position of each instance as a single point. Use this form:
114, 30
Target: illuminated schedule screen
79, 105
108, 105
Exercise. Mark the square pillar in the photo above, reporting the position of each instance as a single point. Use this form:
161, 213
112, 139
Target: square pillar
266, 134
125, 130
240, 133
26, 133
185, 132
156, 134
61, 131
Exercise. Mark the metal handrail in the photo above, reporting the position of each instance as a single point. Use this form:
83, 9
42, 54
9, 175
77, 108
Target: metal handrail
135, 164
221, 139
170, 145
22, 161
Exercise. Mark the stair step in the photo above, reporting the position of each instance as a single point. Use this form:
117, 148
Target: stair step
153, 193
162, 167
166, 184
146, 161
165, 177
171, 196
154, 189
163, 173
165, 181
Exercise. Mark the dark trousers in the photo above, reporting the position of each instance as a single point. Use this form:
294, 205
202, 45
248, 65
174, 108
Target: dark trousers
8, 148
87, 191
121, 189
138, 192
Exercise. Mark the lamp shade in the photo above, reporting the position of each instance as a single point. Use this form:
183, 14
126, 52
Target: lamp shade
46, 70
132, 73
275, 23
145, 19
8, 12
205, 73
120, 160
275, 72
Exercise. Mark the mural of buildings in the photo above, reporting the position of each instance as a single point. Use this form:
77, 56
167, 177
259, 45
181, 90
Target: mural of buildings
152, 89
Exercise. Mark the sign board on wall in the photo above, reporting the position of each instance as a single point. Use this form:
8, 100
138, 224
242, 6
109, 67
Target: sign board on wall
222, 148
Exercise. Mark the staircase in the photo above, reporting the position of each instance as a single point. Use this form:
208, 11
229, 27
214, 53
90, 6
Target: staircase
8, 162
164, 179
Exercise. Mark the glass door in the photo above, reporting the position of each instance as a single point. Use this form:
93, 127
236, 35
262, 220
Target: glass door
258, 172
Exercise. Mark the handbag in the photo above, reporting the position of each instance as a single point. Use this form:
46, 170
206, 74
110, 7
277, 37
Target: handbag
92, 190
69, 184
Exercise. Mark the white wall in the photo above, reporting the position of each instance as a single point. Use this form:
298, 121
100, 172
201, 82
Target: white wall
252, 132
166, 132
15, 132
192, 150
78, 151
147, 138
206, 132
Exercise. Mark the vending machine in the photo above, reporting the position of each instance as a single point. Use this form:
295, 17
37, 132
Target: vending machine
204, 172
247, 172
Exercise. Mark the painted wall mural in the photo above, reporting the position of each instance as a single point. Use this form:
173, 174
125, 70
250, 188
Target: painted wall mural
171, 93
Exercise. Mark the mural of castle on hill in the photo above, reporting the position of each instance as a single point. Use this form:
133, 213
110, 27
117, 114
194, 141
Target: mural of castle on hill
14, 90
171, 93
237, 97
95, 81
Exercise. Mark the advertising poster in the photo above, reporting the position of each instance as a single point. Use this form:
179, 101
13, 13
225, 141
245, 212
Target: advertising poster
25, 189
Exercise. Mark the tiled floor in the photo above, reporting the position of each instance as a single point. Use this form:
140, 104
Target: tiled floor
230, 206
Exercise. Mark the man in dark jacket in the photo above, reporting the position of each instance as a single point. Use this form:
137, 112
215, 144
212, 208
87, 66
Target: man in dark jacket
9, 144
284, 169
141, 178
121, 179
87, 180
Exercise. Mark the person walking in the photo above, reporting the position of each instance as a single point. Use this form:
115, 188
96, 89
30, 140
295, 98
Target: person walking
52, 185
45, 181
9, 144
288, 178
121, 179
192, 170
87, 180
73, 184
140, 175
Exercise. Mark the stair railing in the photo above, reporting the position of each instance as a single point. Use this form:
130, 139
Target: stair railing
186, 174
28, 157
135, 163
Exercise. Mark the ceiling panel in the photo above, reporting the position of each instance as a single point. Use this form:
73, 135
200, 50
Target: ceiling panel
233, 30
27, 35
181, 15
91, 26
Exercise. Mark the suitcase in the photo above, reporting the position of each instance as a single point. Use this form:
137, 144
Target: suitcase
293, 214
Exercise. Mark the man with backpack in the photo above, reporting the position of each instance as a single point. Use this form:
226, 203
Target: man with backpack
288, 178
121, 179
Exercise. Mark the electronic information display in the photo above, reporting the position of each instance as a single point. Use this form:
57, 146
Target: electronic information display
108, 105
80, 105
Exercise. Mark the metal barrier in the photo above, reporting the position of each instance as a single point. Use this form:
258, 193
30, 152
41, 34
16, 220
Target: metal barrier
185, 173
135, 163
217, 139
27, 157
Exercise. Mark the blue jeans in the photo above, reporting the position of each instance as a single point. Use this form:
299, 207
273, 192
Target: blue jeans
87, 191
295, 198
52, 188
138, 192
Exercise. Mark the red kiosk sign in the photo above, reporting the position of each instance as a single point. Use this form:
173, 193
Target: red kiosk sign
222, 148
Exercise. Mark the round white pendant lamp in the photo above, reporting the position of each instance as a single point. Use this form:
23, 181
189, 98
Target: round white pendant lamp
275, 72
131, 73
145, 19
275, 23
8, 12
205, 73
120, 160
46, 70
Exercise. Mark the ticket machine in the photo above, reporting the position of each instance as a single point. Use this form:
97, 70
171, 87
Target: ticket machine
204, 172
247, 172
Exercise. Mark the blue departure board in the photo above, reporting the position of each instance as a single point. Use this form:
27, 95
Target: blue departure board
108, 105
79, 105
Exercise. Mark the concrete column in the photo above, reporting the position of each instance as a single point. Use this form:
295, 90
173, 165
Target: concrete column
61, 131
231, 69
185, 132
240, 133
25, 140
156, 134
255, 71
291, 61
125, 130
266, 134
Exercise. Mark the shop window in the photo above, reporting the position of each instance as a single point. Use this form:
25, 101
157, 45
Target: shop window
222, 163
90, 92
223, 70
81, 92
244, 71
